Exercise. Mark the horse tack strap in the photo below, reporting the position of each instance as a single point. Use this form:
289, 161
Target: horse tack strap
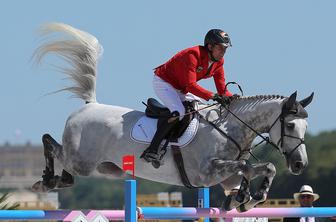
226, 135
180, 166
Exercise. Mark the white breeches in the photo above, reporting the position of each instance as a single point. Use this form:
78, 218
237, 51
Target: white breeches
171, 97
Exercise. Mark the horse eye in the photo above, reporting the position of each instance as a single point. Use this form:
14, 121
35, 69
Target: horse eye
294, 111
291, 125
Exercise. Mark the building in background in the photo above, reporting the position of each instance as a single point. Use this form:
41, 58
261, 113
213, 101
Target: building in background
34, 201
21, 165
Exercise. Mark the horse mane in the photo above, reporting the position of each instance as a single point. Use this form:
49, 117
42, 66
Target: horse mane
79, 50
260, 97
249, 103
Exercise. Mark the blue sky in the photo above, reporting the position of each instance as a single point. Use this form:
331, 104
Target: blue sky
278, 47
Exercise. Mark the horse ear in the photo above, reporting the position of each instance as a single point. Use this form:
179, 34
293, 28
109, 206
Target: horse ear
291, 101
305, 102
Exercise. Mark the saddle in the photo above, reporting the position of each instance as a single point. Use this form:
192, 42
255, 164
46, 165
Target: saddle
158, 111
155, 152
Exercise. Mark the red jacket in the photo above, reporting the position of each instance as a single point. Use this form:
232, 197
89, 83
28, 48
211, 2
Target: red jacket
190, 65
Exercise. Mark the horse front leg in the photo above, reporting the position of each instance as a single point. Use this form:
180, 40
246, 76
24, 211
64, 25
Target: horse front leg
260, 169
241, 168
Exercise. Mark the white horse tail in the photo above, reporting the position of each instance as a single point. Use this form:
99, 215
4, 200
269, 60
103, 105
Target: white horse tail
80, 51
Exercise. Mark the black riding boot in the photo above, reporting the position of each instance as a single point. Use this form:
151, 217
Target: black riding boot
152, 152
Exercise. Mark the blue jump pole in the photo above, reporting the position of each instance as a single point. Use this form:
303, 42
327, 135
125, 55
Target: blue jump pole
130, 201
22, 214
204, 200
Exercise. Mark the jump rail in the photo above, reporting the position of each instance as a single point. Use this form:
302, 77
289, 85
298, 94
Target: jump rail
171, 213
132, 213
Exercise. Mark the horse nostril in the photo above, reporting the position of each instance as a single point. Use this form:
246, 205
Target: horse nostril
299, 165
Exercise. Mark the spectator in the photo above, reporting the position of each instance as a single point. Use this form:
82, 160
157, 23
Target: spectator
306, 198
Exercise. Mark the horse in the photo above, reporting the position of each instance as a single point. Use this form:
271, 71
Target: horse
97, 136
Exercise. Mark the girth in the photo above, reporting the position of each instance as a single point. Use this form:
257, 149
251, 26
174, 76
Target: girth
178, 159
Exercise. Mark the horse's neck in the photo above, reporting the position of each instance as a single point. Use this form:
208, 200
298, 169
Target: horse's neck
258, 112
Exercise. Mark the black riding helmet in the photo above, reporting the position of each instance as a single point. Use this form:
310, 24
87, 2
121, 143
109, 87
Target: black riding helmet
217, 36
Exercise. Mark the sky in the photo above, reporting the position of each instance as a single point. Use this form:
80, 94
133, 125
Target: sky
278, 47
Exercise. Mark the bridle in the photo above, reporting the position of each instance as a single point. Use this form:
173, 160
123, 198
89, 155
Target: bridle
281, 117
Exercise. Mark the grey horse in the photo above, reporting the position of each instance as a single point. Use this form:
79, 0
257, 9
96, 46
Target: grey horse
97, 136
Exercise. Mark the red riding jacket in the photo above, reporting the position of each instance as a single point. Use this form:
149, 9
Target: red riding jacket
190, 65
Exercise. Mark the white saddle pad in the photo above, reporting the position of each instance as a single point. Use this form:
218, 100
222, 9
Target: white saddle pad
144, 129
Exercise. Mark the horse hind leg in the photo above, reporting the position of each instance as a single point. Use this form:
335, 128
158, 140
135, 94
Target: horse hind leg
111, 169
49, 179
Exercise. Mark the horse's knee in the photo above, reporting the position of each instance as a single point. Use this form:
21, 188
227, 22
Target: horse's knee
246, 169
242, 163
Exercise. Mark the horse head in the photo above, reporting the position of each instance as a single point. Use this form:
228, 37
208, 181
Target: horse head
289, 130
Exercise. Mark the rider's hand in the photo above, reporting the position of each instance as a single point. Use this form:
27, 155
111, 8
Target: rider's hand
216, 97
224, 100
235, 96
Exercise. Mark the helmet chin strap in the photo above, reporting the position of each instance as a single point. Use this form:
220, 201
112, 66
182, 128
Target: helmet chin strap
211, 56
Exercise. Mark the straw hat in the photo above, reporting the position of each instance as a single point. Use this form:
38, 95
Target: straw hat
306, 190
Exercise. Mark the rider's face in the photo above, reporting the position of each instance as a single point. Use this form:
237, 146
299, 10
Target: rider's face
217, 51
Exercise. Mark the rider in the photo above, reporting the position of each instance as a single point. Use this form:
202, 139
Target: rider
176, 81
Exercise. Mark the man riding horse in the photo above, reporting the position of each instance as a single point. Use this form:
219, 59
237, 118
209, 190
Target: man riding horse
176, 81
97, 135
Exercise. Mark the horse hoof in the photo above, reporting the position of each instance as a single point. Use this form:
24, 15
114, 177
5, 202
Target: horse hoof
247, 205
40, 187
258, 196
242, 197
227, 204
241, 208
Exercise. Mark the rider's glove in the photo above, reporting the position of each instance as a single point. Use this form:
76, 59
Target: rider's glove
216, 97
235, 96
224, 100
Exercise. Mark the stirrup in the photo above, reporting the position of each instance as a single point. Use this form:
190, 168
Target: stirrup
149, 154
154, 158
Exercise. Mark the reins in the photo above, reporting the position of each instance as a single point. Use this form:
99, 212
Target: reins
281, 117
267, 139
